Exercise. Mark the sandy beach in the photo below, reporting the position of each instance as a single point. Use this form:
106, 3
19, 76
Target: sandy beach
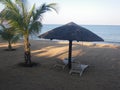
103, 72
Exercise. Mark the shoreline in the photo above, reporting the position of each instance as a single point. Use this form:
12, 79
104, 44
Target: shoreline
99, 42
104, 42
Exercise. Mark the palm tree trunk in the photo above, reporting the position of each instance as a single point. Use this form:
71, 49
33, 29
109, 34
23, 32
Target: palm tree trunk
27, 52
9, 46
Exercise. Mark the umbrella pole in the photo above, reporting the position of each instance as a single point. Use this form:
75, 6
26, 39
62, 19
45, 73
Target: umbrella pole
70, 54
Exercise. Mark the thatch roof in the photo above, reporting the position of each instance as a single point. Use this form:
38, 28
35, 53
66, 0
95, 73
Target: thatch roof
71, 31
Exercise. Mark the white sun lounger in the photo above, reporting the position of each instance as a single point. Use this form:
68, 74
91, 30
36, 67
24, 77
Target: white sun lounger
63, 63
78, 68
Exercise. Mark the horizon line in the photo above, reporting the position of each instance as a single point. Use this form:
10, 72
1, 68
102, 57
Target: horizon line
82, 24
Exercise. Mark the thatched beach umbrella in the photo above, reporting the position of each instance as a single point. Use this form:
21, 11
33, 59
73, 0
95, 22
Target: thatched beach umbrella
71, 32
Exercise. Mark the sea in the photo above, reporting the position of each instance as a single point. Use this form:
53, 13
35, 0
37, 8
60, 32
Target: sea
110, 33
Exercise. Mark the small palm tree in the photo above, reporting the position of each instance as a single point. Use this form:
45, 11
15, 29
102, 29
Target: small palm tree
9, 35
25, 22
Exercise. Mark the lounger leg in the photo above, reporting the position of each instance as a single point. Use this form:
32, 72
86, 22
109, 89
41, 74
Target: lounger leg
81, 73
70, 72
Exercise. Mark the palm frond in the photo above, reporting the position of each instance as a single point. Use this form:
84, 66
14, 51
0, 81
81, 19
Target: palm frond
35, 27
15, 39
30, 15
12, 7
53, 6
2, 26
42, 9
22, 1
9, 34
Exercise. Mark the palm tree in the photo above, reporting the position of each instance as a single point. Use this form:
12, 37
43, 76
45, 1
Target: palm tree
25, 21
8, 34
